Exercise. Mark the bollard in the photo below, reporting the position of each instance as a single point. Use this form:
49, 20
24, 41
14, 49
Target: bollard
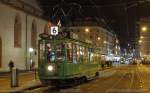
35, 73
14, 77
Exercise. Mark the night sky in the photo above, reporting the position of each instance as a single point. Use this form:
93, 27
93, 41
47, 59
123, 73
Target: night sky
119, 15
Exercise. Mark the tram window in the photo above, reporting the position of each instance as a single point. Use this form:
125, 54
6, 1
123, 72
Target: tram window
81, 53
85, 55
74, 53
51, 56
78, 53
50, 52
60, 53
42, 51
91, 55
88, 54
99, 58
55, 52
69, 52
95, 58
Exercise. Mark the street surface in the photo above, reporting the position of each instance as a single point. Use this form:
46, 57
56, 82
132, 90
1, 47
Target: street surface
126, 79
5, 80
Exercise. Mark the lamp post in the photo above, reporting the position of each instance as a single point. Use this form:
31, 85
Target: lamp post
144, 28
30, 51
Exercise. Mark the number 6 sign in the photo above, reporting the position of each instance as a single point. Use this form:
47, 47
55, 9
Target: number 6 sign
54, 30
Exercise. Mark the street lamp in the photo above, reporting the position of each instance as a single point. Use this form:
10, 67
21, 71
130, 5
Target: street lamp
98, 38
30, 51
141, 37
144, 29
140, 41
86, 30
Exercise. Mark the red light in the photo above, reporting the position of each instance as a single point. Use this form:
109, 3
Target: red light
49, 24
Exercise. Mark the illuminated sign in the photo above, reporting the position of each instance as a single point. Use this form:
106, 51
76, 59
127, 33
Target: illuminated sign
54, 30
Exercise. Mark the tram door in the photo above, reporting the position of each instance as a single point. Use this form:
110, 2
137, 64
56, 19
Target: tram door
0, 52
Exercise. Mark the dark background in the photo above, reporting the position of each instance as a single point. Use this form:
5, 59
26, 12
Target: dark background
120, 16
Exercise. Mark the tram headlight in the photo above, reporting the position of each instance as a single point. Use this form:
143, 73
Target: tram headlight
50, 68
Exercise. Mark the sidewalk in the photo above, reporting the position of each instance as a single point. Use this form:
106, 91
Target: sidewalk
27, 80
6, 72
24, 79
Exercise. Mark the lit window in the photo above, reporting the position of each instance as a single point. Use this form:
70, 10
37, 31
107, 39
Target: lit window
141, 37
86, 30
144, 28
98, 38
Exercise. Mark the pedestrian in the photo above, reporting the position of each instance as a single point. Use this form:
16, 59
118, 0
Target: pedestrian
32, 65
11, 65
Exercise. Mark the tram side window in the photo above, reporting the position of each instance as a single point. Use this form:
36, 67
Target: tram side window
69, 52
81, 53
99, 59
95, 58
85, 55
42, 51
91, 55
78, 53
74, 53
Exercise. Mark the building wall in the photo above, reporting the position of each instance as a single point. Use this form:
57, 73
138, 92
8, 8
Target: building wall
144, 38
7, 19
106, 42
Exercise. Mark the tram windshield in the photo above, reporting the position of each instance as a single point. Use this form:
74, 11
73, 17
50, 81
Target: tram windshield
52, 52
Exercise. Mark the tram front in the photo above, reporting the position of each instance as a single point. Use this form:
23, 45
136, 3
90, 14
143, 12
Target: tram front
51, 61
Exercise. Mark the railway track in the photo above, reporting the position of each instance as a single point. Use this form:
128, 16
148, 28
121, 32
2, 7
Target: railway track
130, 82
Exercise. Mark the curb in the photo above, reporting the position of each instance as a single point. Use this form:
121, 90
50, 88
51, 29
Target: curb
28, 86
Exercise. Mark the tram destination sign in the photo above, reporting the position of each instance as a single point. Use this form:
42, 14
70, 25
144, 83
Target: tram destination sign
54, 30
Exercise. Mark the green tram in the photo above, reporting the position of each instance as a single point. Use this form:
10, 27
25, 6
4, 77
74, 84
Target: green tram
66, 59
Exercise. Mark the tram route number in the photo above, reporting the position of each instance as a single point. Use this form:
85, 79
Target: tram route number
54, 30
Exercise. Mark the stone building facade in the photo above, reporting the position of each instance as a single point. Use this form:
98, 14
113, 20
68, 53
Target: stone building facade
105, 40
21, 22
144, 38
